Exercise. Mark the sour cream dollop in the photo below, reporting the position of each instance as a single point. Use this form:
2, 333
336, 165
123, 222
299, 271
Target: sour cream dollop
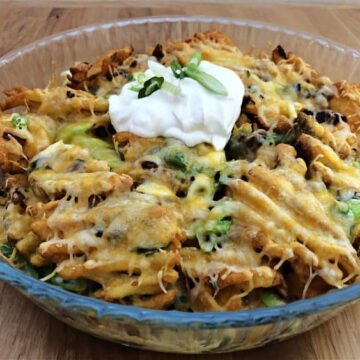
194, 115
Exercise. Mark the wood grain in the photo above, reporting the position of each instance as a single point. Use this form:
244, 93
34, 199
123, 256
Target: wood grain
27, 332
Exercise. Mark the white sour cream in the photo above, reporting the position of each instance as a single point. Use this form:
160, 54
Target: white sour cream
195, 115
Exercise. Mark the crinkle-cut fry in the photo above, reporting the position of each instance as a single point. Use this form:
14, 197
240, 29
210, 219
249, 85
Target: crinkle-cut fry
12, 157
157, 302
317, 150
230, 298
336, 179
212, 37
231, 265
282, 191
326, 162
28, 244
19, 145
292, 219
58, 102
41, 229
133, 146
261, 276
203, 298
57, 252
347, 102
126, 261
309, 125
14, 97
73, 184
214, 47
287, 161
83, 74
123, 285
37, 260
279, 56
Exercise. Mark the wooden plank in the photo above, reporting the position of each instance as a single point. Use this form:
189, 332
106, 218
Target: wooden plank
29, 333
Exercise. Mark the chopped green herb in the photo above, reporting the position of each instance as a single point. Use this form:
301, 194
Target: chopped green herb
150, 86
248, 74
19, 122
270, 299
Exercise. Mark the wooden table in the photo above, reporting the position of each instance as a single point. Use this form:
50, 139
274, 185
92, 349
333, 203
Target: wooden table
29, 333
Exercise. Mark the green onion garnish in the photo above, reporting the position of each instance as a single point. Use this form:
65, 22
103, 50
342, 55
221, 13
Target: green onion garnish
195, 59
130, 77
135, 88
206, 80
270, 299
177, 69
150, 86
19, 122
191, 70
171, 88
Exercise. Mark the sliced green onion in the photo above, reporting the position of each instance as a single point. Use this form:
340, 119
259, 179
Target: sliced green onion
99, 149
195, 59
177, 69
270, 299
78, 285
19, 122
140, 77
67, 132
150, 86
30, 270
342, 207
135, 88
222, 226
211, 234
207, 81
149, 251
7, 249
354, 205
176, 159
171, 88
356, 164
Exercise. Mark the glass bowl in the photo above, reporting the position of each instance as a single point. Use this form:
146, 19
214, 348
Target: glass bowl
175, 331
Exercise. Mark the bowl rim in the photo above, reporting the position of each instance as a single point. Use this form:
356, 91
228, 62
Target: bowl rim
42, 292
322, 40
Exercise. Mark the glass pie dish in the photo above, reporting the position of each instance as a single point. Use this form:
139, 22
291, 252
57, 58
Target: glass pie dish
175, 331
